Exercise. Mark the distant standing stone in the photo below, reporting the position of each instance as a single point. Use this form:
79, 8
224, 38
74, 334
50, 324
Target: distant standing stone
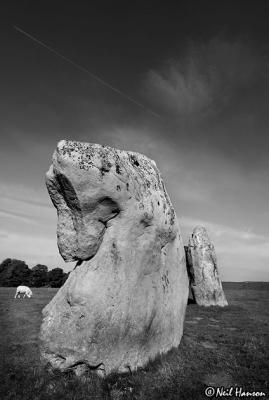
124, 303
204, 278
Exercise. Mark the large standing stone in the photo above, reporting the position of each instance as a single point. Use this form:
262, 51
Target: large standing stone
125, 301
201, 258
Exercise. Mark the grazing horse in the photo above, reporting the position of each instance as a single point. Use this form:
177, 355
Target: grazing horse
25, 290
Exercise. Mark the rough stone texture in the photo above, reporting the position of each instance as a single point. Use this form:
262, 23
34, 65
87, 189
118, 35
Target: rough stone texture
205, 283
125, 301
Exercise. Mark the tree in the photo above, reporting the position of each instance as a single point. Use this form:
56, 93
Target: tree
55, 277
65, 277
4, 267
14, 273
39, 275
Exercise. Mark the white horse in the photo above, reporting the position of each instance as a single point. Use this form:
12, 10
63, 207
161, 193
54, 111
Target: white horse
25, 290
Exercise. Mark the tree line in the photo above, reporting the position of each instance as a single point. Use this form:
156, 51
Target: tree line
16, 272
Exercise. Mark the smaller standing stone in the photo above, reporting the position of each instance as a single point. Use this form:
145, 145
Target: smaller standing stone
205, 283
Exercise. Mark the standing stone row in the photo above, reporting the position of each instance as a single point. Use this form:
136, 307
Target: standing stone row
124, 303
201, 260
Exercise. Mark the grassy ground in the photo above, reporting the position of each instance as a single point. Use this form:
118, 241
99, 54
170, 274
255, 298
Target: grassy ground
220, 347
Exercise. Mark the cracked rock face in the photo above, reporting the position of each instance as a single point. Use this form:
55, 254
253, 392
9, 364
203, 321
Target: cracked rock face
204, 278
125, 301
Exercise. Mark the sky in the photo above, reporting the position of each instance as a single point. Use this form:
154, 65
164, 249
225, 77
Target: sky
199, 71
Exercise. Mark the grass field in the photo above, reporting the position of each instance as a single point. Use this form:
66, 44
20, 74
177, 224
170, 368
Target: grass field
220, 347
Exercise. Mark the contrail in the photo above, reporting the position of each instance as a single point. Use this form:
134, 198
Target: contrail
93, 76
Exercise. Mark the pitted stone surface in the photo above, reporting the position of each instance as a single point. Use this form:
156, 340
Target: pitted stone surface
204, 278
125, 301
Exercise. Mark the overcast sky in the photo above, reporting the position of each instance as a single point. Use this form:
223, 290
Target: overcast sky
200, 66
